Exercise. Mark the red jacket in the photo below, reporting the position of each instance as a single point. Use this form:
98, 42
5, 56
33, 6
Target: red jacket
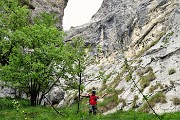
93, 99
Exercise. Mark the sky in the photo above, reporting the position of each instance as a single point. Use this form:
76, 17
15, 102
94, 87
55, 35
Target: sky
78, 12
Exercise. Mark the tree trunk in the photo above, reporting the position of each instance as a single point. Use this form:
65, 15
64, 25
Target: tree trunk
34, 93
79, 89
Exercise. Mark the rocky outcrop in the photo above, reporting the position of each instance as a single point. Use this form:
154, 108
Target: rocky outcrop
125, 25
135, 42
50, 6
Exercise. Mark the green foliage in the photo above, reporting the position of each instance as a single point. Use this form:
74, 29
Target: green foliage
129, 76
157, 98
106, 78
154, 87
111, 90
118, 78
145, 80
12, 17
123, 101
37, 54
167, 37
16, 104
148, 69
7, 103
47, 113
171, 71
134, 105
109, 103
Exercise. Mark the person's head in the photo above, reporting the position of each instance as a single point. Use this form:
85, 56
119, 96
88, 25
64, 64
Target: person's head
93, 92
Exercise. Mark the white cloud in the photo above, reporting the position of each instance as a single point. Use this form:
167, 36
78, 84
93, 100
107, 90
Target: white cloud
79, 12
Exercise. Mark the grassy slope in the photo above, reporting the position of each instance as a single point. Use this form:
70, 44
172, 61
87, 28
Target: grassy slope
47, 113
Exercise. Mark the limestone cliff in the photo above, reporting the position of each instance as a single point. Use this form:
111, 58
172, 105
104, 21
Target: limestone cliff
135, 42
50, 6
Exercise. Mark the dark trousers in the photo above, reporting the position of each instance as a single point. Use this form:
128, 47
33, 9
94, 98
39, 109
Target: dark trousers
92, 109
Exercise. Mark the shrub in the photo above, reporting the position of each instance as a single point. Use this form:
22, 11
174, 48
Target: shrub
114, 91
151, 76
148, 69
109, 103
134, 105
172, 71
154, 87
144, 82
140, 72
122, 101
157, 98
128, 77
176, 101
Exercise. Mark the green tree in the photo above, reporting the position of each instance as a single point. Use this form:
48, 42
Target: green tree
80, 58
39, 58
12, 17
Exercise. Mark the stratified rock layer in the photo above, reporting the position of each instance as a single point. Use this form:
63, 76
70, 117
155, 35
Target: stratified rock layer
50, 6
146, 33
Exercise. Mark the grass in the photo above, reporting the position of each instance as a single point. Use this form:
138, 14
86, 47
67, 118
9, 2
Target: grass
157, 98
154, 87
47, 113
148, 69
129, 76
134, 104
7, 103
109, 103
143, 71
118, 78
146, 79
167, 37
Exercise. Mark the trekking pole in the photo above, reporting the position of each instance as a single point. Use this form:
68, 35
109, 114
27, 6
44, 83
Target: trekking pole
54, 107
146, 100
79, 88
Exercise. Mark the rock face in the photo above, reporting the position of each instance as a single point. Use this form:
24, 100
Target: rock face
50, 6
135, 42
125, 25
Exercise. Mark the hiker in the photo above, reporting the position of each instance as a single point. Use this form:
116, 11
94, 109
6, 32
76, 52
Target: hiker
93, 101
